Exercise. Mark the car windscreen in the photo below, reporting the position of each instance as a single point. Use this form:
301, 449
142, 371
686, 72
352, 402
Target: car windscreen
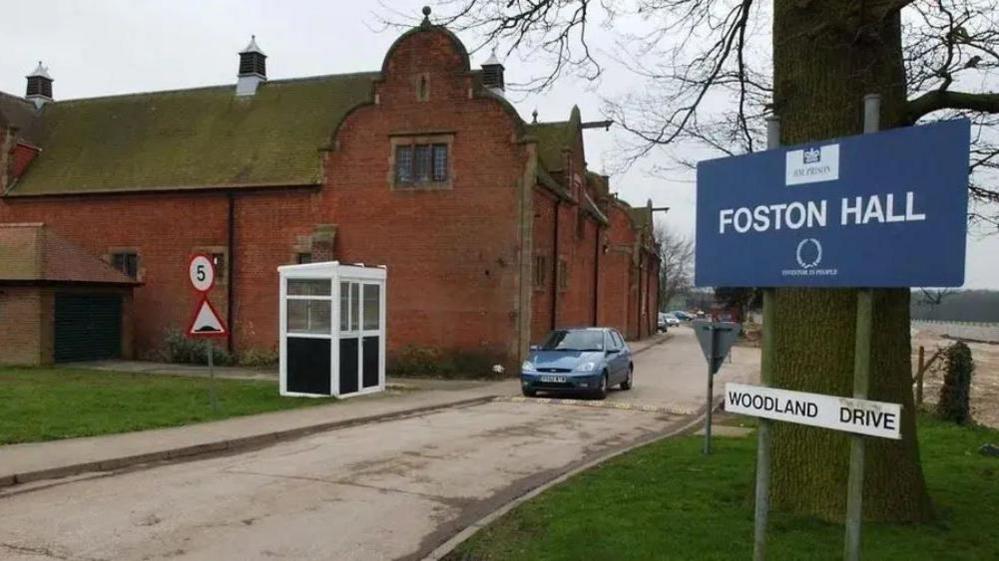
574, 341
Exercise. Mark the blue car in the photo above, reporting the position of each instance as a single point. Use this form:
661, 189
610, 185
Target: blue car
586, 360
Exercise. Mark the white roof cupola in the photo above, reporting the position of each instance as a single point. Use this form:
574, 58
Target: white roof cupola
39, 86
252, 68
492, 74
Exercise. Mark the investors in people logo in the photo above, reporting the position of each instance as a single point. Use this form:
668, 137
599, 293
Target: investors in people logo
808, 255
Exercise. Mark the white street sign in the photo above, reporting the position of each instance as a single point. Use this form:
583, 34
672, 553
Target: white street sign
202, 272
860, 416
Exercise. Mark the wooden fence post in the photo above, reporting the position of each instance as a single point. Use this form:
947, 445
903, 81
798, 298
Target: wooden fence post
919, 376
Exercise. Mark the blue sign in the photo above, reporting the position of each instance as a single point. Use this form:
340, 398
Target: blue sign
875, 210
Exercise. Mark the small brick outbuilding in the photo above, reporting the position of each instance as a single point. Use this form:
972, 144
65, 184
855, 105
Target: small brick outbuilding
58, 303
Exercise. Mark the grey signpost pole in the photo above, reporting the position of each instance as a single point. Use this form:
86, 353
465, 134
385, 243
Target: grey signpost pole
211, 377
711, 389
861, 379
766, 379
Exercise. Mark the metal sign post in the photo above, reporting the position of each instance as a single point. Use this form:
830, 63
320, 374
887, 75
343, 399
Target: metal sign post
861, 380
711, 390
211, 378
206, 322
716, 339
766, 379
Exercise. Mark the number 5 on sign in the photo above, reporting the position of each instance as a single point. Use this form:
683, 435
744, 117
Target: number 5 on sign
202, 272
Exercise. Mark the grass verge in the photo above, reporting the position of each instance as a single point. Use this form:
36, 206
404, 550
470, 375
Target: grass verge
38, 404
667, 502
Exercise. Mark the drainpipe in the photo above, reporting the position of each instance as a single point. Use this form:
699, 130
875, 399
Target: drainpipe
555, 261
231, 254
596, 278
638, 317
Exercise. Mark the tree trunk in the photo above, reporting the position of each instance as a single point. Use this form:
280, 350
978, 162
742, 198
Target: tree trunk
827, 55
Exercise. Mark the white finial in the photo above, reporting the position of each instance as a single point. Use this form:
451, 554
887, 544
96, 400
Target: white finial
40, 72
492, 60
252, 47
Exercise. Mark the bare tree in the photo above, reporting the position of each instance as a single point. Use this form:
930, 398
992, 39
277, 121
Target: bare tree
676, 270
715, 68
931, 297
709, 79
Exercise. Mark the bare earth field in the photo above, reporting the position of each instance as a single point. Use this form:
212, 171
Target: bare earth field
984, 383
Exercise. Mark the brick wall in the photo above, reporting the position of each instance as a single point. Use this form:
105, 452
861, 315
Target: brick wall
544, 239
617, 263
21, 325
165, 230
452, 252
578, 246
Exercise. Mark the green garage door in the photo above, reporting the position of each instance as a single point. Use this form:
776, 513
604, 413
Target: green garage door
87, 327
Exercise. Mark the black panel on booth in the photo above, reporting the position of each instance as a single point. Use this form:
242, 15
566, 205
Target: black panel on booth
348, 365
309, 365
370, 366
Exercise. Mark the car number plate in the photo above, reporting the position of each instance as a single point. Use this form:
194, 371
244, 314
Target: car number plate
556, 379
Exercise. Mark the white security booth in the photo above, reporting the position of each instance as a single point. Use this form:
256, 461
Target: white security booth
332, 329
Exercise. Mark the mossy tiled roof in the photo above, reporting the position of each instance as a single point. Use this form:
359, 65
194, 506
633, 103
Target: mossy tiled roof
642, 217
18, 113
552, 139
30, 252
189, 139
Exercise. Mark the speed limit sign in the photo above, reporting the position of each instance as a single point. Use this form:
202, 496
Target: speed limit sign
202, 272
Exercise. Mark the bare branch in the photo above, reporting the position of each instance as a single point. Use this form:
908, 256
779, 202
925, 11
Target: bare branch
941, 99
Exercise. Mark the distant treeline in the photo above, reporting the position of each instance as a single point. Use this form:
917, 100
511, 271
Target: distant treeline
959, 305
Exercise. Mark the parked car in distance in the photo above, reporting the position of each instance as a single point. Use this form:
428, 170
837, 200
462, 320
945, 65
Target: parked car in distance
588, 360
682, 315
665, 321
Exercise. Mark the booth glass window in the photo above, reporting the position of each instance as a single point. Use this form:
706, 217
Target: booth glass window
309, 287
344, 306
309, 306
309, 316
372, 302
355, 304
350, 300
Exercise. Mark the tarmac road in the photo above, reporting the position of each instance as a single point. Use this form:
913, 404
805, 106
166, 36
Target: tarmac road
390, 490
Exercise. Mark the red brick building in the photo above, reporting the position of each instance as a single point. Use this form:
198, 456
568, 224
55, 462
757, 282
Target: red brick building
492, 228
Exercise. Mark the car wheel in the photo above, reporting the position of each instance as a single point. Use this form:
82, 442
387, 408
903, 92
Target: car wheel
602, 390
629, 382
529, 393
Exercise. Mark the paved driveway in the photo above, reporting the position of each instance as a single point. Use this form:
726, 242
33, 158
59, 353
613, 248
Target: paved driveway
391, 490
674, 374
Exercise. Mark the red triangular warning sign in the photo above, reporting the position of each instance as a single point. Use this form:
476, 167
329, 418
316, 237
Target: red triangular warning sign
206, 321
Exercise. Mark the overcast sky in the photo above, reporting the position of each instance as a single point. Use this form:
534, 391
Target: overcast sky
103, 47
